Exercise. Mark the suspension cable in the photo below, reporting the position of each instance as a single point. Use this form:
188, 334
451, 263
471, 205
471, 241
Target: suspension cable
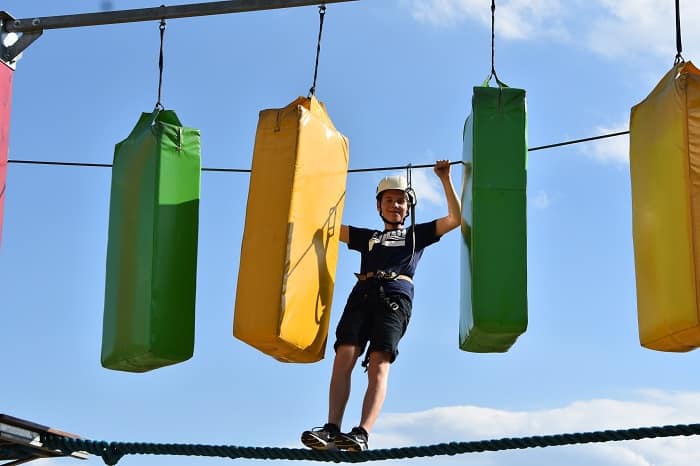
493, 47
576, 141
161, 27
679, 45
493, 38
352, 170
321, 14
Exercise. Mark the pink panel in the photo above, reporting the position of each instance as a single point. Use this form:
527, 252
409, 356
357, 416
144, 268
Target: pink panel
5, 99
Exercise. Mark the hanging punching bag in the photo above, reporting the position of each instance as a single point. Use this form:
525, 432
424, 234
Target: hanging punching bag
5, 100
494, 247
665, 179
152, 246
292, 225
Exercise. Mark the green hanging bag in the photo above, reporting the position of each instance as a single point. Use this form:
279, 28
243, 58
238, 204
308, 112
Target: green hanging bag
494, 248
152, 246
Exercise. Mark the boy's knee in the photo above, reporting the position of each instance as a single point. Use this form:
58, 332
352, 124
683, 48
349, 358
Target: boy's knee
379, 361
346, 355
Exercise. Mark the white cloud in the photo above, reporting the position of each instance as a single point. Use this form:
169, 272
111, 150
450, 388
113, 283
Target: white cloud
641, 28
613, 150
515, 19
448, 12
626, 26
541, 200
465, 423
426, 186
611, 28
56, 462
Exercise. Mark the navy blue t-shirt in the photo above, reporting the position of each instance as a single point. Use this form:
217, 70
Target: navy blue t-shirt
390, 251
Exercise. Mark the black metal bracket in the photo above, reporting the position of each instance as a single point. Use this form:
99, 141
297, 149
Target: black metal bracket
8, 54
21, 442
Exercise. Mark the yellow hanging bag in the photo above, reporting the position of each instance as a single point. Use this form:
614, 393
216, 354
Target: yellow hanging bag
665, 176
290, 241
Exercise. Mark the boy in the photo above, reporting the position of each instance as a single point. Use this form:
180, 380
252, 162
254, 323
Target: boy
379, 306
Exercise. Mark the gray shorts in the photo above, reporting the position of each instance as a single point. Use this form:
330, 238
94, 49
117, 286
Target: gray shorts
371, 316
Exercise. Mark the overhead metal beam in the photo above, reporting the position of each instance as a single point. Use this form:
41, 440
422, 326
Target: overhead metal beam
152, 14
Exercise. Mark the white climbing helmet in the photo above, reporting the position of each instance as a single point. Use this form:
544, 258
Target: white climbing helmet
391, 182
397, 182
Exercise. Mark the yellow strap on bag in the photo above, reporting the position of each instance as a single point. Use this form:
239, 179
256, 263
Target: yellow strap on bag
290, 241
665, 175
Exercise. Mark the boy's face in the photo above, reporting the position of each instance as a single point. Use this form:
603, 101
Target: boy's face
393, 205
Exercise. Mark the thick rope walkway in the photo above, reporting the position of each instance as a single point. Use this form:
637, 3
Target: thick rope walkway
112, 452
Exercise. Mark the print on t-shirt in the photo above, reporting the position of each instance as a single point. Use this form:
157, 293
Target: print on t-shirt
391, 238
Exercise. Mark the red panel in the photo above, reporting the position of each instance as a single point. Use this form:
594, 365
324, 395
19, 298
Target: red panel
5, 100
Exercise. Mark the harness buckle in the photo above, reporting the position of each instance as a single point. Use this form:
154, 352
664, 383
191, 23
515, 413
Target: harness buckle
382, 275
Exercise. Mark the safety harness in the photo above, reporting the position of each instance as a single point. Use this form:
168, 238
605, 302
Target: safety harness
382, 275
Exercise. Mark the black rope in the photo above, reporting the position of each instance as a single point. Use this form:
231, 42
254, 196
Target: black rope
576, 141
321, 14
161, 27
493, 38
396, 167
109, 165
221, 170
412, 207
352, 170
679, 45
112, 452
63, 164
493, 47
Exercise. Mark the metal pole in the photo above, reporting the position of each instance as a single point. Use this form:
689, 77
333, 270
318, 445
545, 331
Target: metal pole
152, 14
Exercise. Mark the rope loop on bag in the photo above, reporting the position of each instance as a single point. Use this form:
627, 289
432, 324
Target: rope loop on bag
161, 27
321, 14
493, 49
679, 46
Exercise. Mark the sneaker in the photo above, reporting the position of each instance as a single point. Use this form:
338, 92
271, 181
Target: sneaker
321, 438
355, 440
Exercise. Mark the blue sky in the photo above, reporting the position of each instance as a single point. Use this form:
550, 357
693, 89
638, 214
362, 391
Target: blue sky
396, 77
